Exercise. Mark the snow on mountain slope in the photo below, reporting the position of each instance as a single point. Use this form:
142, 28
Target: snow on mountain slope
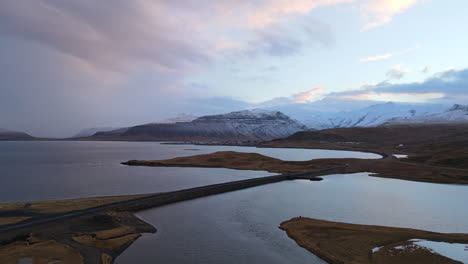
242, 125
370, 116
257, 124
456, 114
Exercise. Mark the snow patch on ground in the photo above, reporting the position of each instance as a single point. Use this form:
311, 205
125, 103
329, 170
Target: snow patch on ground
453, 251
376, 249
458, 252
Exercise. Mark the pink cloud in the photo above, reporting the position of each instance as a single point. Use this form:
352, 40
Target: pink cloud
377, 57
169, 34
383, 11
307, 96
269, 11
388, 55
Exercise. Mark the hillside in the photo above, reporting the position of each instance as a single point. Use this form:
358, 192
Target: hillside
373, 115
87, 132
436, 145
248, 125
456, 114
14, 135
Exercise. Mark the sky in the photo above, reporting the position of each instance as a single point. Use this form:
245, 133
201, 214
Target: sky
67, 65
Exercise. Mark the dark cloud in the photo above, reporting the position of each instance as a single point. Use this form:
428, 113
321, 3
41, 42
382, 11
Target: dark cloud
446, 87
69, 64
41, 96
111, 35
448, 82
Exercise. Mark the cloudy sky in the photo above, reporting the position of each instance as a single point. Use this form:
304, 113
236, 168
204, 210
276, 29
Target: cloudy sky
68, 64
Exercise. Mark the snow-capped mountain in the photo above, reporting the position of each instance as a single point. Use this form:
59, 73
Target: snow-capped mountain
369, 116
456, 114
242, 125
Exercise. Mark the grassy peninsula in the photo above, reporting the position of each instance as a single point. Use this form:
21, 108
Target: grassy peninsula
339, 243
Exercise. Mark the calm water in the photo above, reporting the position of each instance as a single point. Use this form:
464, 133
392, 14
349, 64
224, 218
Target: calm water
236, 227
57, 170
242, 226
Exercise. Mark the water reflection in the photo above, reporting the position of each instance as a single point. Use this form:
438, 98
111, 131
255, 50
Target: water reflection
242, 226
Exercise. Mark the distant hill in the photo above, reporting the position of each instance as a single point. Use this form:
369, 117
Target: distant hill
13, 135
456, 114
442, 144
178, 118
235, 126
87, 132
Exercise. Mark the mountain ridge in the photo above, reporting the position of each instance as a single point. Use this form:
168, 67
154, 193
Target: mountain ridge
243, 125
372, 115
456, 114
6, 134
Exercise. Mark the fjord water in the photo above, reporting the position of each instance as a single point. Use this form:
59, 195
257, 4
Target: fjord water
235, 227
32, 171
242, 226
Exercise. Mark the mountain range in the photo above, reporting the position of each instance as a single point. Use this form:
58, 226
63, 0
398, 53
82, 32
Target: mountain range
373, 115
261, 124
456, 114
244, 125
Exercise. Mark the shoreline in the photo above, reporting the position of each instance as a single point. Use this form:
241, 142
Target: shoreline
339, 243
386, 167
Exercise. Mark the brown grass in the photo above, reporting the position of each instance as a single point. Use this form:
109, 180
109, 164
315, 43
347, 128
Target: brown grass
118, 242
106, 258
107, 235
386, 168
353, 244
67, 205
236, 160
41, 253
12, 220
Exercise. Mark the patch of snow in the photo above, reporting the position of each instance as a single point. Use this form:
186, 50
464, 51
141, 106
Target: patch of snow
400, 247
456, 114
453, 251
400, 156
366, 117
376, 249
